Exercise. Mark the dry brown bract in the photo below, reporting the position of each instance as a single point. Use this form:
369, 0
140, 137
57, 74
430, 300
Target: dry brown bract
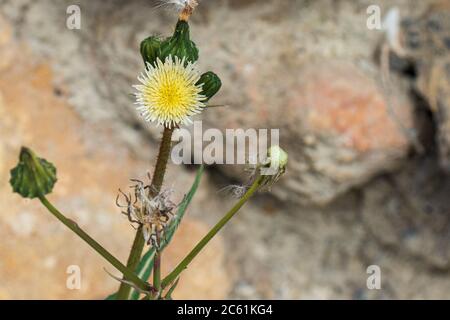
153, 214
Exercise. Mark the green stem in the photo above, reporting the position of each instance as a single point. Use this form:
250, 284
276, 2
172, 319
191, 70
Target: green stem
128, 274
161, 162
188, 259
133, 261
157, 181
157, 274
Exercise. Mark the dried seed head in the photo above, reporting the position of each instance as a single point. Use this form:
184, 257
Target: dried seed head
153, 214
235, 190
184, 7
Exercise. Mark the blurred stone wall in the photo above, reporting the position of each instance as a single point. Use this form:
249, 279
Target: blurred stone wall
355, 193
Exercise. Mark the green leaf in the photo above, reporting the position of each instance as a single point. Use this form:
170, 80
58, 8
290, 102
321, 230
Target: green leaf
182, 208
144, 269
32, 177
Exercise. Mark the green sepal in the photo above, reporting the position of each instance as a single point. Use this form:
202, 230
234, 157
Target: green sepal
211, 84
33, 176
150, 49
179, 45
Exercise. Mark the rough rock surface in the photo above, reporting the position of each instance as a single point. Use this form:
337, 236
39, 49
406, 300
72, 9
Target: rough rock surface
335, 125
426, 41
410, 213
99, 63
408, 216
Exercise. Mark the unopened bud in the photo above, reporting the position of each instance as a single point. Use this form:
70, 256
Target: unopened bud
33, 176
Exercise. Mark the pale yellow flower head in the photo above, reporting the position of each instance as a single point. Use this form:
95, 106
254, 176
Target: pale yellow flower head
169, 94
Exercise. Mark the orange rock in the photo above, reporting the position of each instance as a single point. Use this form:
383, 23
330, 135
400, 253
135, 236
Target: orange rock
343, 131
6, 50
339, 99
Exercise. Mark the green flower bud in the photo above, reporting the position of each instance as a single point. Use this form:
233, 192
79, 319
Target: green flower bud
179, 44
278, 158
150, 49
274, 166
211, 84
33, 176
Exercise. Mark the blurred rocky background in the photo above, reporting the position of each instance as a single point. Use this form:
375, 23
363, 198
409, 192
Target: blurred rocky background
367, 182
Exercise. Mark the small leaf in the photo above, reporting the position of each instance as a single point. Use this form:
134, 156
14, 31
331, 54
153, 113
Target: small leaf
182, 208
130, 283
33, 176
144, 269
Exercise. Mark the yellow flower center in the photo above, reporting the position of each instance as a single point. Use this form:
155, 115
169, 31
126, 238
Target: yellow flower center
169, 92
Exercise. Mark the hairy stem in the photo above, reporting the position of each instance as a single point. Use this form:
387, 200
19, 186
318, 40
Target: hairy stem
161, 162
188, 259
157, 181
133, 261
128, 273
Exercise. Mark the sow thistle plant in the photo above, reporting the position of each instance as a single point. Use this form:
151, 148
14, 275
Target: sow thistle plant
170, 92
